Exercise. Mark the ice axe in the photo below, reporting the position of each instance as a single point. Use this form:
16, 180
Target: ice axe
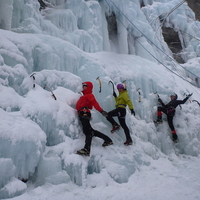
158, 97
139, 99
196, 102
99, 84
33, 76
114, 94
46, 87
157, 94
112, 85
124, 82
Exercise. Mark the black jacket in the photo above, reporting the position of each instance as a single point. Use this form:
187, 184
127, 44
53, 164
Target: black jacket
173, 103
171, 106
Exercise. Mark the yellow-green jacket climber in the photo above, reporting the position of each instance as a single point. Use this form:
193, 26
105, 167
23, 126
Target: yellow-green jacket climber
121, 102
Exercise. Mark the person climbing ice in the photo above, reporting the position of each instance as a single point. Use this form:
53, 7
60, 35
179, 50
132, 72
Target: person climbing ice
83, 106
169, 109
120, 111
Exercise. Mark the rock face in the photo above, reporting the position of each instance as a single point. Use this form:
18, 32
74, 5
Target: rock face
171, 36
195, 6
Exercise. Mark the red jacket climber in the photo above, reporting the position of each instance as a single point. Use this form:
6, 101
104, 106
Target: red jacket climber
83, 106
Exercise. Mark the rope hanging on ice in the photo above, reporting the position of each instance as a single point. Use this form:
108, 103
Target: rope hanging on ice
178, 5
197, 78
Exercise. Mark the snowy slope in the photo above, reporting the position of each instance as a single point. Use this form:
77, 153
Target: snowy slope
73, 41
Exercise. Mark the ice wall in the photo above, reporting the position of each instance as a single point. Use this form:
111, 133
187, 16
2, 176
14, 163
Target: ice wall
83, 23
64, 45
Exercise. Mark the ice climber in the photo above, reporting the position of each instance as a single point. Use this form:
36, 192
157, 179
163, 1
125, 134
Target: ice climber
86, 102
120, 111
169, 109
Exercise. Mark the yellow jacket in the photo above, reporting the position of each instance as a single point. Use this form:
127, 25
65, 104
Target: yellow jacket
123, 100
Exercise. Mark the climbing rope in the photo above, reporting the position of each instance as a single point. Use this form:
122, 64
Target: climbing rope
178, 5
197, 78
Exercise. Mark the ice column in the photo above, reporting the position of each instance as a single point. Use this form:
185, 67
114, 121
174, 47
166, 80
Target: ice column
5, 14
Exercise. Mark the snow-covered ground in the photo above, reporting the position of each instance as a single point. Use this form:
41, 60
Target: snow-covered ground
61, 47
176, 179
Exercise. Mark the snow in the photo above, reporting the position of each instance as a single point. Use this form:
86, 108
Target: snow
51, 52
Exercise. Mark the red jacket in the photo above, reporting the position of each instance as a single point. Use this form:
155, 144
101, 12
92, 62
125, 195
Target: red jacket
88, 100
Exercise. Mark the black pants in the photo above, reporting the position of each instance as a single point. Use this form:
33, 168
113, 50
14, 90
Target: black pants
121, 114
89, 131
169, 117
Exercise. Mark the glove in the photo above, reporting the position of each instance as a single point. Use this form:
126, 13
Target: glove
104, 113
114, 94
189, 95
132, 112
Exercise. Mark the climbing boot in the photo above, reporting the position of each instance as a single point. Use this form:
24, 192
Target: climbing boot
128, 142
83, 152
106, 143
116, 127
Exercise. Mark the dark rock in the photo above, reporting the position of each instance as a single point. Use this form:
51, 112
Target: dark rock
195, 6
171, 37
